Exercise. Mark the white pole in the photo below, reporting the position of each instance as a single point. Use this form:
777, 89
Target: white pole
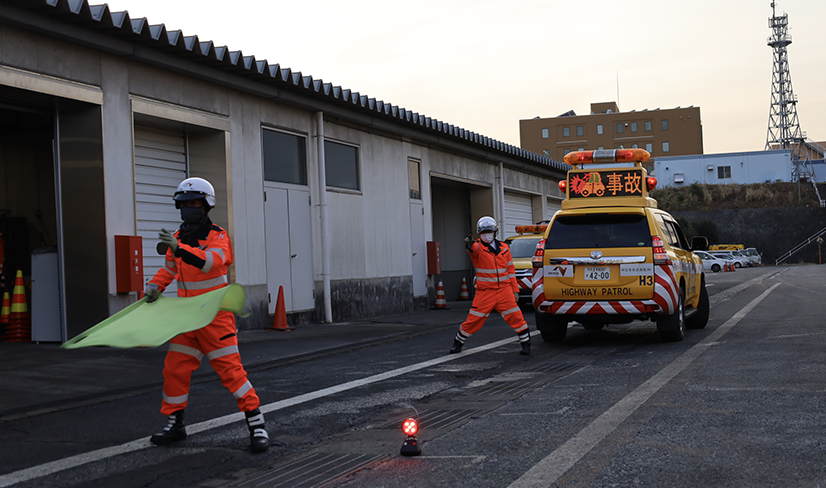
325, 234
502, 200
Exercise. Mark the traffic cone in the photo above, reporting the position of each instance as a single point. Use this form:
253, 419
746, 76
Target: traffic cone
19, 328
464, 294
4, 315
279, 319
441, 303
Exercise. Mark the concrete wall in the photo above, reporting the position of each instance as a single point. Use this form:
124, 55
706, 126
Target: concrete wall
746, 167
772, 231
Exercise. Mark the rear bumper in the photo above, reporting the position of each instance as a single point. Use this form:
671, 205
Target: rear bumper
625, 307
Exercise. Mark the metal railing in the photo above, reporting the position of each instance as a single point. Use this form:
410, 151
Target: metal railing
800, 246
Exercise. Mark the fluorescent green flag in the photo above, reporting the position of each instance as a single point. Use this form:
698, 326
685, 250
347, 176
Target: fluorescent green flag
152, 324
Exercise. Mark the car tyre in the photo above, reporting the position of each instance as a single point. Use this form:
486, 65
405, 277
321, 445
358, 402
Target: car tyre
700, 317
737, 264
715, 268
552, 329
672, 327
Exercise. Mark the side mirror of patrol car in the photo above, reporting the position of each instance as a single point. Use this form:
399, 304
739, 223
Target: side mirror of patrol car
699, 243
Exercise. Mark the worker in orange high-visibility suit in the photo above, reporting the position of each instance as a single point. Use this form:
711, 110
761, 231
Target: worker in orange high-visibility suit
199, 255
496, 287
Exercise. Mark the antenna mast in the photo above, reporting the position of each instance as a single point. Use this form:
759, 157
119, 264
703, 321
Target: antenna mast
784, 127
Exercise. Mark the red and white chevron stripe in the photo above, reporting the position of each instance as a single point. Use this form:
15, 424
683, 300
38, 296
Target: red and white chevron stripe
665, 293
525, 283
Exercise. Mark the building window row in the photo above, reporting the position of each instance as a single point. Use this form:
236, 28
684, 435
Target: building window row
285, 160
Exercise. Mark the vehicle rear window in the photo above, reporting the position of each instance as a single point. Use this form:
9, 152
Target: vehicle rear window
523, 248
599, 231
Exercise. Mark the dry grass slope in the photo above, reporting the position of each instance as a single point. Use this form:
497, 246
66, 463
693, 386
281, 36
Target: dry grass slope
712, 197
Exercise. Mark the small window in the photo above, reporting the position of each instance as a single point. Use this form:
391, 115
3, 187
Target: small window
415, 183
566, 132
633, 127
544, 133
664, 124
599, 129
546, 153
601, 148
647, 125
580, 149
342, 165
580, 131
679, 178
285, 157
634, 146
619, 127
565, 151
666, 147
649, 147
723, 172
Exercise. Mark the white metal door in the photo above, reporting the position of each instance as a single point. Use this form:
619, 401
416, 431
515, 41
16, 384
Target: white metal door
160, 164
552, 207
518, 211
289, 247
419, 249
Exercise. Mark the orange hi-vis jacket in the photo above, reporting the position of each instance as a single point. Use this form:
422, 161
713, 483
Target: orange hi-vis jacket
198, 269
494, 268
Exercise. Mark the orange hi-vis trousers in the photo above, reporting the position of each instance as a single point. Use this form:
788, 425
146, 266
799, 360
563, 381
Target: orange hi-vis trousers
488, 300
217, 342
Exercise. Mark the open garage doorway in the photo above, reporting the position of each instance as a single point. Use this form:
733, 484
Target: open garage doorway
456, 206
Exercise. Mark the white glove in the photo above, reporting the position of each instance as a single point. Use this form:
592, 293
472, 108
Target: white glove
169, 239
152, 292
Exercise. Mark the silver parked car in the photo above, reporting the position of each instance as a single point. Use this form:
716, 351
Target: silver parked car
712, 263
756, 258
740, 261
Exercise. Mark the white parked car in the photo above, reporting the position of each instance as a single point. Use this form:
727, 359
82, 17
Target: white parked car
756, 258
740, 261
712, 263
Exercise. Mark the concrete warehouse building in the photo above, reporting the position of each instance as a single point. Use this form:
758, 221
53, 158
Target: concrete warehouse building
327, 192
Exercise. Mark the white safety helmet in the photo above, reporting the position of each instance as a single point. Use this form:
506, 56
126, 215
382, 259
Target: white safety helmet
193, 189
486, 224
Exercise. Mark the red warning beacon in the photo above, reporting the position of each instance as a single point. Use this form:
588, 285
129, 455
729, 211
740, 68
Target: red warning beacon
411, 445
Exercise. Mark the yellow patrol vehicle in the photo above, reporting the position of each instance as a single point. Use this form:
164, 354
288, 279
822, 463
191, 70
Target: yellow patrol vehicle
523, 248
611, 256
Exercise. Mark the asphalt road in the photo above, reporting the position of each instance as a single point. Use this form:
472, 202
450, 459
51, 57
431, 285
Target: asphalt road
734, 404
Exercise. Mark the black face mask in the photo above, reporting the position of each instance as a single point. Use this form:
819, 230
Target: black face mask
192, 215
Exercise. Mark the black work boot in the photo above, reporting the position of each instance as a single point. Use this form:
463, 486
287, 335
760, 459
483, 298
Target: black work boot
174, 430
457, 347
259, 440
526, 348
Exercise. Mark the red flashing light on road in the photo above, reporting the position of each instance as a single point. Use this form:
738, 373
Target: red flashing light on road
411, 447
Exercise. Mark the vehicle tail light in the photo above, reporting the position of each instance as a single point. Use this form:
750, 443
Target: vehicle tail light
539, 254
660, 256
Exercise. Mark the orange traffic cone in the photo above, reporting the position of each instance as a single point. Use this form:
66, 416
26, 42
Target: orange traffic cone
464, 294
19, 328
279, 319
441, 303
4, 314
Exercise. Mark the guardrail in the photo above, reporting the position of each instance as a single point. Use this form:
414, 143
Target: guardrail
800, 246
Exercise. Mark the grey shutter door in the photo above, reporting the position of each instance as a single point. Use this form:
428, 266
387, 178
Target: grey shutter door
160, 164
518, 211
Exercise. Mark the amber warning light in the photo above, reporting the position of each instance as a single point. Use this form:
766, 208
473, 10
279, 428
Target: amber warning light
411, 445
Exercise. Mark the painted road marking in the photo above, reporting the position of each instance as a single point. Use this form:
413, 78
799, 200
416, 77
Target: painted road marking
557, 463
80, 459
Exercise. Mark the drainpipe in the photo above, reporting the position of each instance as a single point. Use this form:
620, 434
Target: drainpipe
325, 234
501, 198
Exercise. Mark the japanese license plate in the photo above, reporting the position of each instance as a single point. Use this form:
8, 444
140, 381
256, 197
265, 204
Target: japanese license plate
597, 273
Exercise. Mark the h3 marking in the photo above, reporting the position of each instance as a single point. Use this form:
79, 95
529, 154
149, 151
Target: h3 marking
646, 280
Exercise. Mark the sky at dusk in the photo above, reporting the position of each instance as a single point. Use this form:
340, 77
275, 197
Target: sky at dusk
483, 65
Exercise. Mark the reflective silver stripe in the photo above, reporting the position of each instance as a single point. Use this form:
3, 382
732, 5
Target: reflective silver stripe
510, 311
492, 271
510, 263
208, 262
240, 392
478, 314
201, 285
255, 420
176, 400
219, 353
218, 251
186, 350
507, 277
492, 280
171, 267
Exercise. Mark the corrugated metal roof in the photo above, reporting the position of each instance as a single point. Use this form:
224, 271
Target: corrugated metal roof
118, 24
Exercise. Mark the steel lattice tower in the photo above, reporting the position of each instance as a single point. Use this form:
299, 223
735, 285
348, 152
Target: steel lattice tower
784, 127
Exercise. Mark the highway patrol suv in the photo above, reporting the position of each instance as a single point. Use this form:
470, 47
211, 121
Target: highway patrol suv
611, 256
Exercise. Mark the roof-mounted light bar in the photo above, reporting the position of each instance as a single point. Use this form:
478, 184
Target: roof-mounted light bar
607, 156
